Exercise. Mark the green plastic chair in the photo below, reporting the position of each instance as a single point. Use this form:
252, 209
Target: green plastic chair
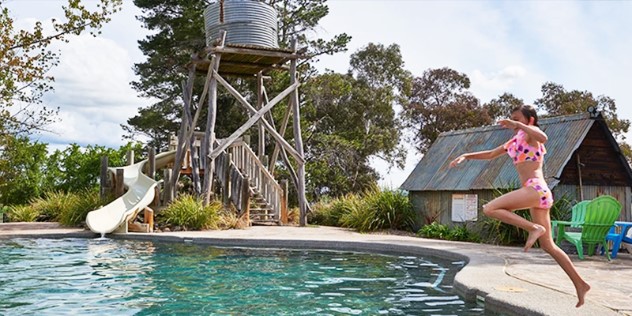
578, 212
601, 213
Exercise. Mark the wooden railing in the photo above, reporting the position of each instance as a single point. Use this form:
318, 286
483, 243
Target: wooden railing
247, 162
237, 169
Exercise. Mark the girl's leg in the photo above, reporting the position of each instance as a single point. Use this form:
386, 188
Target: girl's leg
502, 207
542, 217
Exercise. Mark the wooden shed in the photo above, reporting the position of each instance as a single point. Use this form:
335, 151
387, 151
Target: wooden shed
583, 162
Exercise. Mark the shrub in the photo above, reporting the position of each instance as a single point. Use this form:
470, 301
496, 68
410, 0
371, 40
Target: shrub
435, 231
329, 213
52, 204
189, 213
294, 216
390, 209
440, 231
228, 219
22, 213
80, 204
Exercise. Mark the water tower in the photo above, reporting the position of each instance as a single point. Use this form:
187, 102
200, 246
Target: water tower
242, 41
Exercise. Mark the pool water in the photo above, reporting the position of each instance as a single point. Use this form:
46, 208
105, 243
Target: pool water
123, 277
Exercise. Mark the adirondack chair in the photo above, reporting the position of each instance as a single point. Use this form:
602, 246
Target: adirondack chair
578, 212
617, 237
601, 213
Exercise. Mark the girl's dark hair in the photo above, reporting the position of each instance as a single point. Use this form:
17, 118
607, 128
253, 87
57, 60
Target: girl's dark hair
528, 112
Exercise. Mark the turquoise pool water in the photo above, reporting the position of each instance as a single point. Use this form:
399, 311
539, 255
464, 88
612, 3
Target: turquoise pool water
123, 277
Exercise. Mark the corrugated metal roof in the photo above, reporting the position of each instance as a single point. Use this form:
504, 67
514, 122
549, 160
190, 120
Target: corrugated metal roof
565, 135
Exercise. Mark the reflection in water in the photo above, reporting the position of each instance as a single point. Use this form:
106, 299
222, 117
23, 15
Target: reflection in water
77, 276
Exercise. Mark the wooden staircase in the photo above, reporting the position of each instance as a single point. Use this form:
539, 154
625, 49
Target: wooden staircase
250, 186
260, 210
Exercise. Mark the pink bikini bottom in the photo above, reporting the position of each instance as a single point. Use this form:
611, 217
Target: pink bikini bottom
546, 197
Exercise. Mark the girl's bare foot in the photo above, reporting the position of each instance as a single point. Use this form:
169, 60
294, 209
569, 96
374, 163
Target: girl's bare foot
581, 292
534, 234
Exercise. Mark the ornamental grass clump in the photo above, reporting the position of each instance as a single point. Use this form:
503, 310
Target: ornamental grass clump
22, 213
188, 213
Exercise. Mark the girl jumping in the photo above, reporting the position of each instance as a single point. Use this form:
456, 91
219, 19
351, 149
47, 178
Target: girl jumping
527, 150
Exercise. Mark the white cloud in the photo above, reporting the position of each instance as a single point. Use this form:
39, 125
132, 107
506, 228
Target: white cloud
93, 93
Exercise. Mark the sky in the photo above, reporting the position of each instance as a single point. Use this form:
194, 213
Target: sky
502, 46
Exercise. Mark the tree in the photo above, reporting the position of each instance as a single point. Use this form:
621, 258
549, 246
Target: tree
179, 33
350, 119
439, 103
75, 168
21, 164
26, 58
501, 107
556, 101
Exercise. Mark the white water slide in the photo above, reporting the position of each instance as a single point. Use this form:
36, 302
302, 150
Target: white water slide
140, 193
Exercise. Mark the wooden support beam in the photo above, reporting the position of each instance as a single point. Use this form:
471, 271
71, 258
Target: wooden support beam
186, 127
284, 211
120, 187
209, 134
103, 179
286, 119
298, 140
148, 218
278, 137
226, 184
245, 199
253, 119
255, 52
262, 135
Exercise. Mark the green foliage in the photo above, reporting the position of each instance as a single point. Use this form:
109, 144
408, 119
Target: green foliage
80, 204
52, 204
329, 213
21, 164
376, 209
75, 168
556, 101
435, 231
440, 102
350, 119
22, 213
188, 212
26, 169
440, 231
391, 209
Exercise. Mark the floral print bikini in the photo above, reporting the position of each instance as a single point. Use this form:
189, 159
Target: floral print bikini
520, 151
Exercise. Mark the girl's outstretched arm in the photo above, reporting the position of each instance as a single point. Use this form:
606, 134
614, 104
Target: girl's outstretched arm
487, 154
534, 132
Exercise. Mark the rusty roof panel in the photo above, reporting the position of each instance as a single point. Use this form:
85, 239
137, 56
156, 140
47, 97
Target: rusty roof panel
433, 173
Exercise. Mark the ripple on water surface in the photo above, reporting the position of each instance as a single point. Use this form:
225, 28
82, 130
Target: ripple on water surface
120, 277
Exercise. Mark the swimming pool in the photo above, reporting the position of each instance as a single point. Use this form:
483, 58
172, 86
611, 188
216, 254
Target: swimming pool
123, 277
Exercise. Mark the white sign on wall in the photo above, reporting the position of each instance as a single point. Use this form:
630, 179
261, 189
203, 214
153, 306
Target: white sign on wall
464, 207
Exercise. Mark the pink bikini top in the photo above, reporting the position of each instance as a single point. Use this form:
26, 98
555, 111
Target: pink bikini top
520, 151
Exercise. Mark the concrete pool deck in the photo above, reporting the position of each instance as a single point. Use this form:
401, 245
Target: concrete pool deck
508, 280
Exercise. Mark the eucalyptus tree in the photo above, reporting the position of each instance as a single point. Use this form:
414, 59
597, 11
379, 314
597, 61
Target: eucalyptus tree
556, 101
440, 102
350, 119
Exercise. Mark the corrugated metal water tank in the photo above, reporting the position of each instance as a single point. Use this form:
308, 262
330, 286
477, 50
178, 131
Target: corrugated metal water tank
246, 22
